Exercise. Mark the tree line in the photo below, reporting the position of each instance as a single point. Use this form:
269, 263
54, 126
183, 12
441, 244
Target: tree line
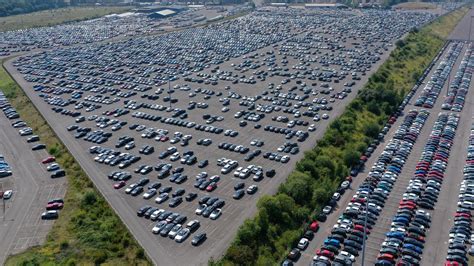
14, 7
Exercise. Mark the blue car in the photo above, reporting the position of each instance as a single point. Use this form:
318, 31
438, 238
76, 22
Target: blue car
398, 235
413, 247
332, 242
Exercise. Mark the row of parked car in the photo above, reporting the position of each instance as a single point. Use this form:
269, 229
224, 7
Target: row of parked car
460, 234
440, 76
459, 86
52, 209
346, 238
405, 241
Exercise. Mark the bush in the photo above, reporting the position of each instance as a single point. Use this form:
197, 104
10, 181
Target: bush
89, 198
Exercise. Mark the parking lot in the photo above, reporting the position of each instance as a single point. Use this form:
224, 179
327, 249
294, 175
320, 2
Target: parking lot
112, 27
280, 86
21, 225
385, 224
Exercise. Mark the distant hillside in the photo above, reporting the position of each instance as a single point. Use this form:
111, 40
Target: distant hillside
13, 7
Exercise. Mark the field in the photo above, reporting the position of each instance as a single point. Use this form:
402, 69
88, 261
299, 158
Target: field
55, 16
415, 5
266, 239
88, 231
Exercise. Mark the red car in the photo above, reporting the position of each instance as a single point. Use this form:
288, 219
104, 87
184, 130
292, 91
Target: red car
54, 206
386, 256
314, 226
452, 263
164, 138
119, 185
325, 253
211, 187
49, 159
458, 214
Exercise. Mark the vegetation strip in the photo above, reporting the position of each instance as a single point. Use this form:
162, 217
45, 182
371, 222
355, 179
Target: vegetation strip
88, 230
267, 238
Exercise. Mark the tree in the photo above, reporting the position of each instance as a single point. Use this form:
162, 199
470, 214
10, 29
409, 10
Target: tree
351, 157
298, 187
371, 130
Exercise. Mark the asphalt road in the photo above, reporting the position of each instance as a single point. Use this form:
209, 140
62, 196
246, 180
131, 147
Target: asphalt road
464, 31
21, 226
165, 251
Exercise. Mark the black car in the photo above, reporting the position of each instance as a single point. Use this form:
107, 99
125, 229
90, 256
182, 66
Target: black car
204, 199
193, 225
136, 191
238, 194
165, 231
178, 192
154, 185
58, 173
270, 173
198, 239
149, 212
143, 210
175, 202
203, 163
294, 254
143, 181
191, 196
239, 186
38, 147
309, 235
54, 214
32, 139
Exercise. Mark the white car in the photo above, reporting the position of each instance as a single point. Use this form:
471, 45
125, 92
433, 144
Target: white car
200, 209
156, 214
8, 194
52, 167
175, 156
158, 227
130, 145
130, 188
303, 244
327, 210
215, 214
150, 193
172, 234
348, 255
182, 235
162, 198
345, 184
336, 196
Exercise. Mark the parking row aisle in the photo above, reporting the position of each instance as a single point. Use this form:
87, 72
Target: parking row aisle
377, 236
460, 237
21, 225
404, 241
442, 215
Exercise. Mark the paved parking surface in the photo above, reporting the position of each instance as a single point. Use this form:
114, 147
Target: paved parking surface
21, 226
464, 28
221, 232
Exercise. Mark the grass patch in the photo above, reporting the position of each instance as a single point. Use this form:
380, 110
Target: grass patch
415, 5
56, 16
281, 218
88, 231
